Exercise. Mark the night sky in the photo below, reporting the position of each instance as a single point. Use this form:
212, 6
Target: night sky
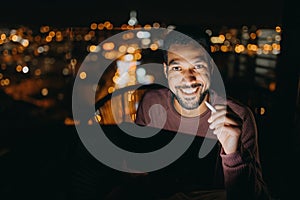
187, 12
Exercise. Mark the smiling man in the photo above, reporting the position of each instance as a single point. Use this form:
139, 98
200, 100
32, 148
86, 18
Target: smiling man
235, 167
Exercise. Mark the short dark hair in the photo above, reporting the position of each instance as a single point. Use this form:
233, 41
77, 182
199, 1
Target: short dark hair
186, 35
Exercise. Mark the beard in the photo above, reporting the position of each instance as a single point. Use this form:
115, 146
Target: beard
190, 103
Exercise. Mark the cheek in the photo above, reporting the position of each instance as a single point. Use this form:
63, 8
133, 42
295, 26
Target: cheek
174, 78
173, 81
204, 76
204, 79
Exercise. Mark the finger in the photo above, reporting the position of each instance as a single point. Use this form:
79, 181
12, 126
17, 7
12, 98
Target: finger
217, 122
220, 107
218, 114
231, 118
223, 120
231, 122
223, 130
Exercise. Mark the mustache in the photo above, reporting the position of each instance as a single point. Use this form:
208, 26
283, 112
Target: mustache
189, 86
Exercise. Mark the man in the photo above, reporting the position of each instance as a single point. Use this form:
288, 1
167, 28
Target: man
189, 71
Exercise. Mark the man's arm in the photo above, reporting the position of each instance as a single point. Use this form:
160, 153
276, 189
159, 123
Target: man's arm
242, 169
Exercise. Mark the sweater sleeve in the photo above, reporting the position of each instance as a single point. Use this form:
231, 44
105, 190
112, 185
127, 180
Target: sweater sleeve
242, 170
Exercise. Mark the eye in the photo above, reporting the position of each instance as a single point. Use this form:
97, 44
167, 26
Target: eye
199, 66
176, 68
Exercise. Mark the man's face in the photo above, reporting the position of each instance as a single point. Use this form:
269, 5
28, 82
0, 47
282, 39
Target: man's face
187, 71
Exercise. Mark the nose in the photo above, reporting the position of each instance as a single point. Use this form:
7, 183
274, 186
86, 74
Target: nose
188, 76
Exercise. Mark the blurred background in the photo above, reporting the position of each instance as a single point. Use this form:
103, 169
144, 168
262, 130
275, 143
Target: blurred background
43, 44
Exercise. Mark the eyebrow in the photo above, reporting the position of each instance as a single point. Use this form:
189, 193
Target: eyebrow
198, 61
173, 61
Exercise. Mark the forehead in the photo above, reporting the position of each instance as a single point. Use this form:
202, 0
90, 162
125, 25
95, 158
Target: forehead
187, 52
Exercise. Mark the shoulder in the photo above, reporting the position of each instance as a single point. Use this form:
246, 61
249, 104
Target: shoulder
235, 103
156, 94
243, 110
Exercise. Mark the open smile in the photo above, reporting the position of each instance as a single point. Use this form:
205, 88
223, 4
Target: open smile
190, 90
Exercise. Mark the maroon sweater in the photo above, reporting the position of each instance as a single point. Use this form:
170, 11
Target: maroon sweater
239, 173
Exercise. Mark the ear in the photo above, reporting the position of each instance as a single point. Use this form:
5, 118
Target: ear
165, 70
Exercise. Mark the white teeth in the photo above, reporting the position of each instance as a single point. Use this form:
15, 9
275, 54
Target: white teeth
189, 90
